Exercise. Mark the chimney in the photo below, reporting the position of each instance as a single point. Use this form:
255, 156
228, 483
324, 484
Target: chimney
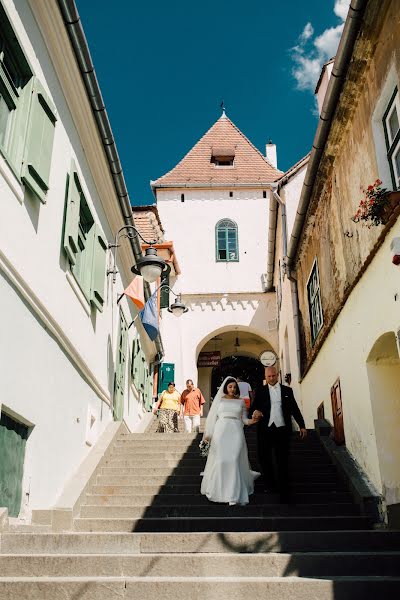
270, 153
322, 84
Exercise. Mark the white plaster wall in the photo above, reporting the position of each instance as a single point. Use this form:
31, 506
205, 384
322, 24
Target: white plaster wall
42, 382
371, 310
291, 194
191, 226
209, 315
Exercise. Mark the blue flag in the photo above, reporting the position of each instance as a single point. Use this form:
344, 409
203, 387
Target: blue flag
149, 317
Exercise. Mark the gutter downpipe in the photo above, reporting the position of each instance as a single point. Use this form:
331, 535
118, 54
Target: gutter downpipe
339, 71
80, 47
291, 278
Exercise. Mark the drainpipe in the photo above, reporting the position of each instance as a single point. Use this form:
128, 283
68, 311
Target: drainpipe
80, 47
339, 72
292, 279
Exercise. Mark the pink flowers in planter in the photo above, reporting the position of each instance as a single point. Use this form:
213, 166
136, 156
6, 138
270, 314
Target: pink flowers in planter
375, 208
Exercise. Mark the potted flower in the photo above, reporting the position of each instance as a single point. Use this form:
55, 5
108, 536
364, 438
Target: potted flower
377, 205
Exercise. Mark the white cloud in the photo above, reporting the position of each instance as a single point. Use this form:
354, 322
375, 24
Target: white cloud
309, 55
341, 8
308, 32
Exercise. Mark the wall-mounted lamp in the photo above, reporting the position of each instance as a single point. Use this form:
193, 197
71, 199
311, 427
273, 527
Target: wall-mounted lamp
150, 266
177, 308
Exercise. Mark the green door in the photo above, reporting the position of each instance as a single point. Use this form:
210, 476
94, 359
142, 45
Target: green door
166, 374
13, 436
120, 369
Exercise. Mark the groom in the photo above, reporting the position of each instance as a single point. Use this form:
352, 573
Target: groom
275, 404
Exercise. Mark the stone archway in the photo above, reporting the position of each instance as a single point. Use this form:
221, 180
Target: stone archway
237, 345
383, 366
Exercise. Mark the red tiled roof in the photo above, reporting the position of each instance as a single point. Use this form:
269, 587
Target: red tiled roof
147, 220
197, 167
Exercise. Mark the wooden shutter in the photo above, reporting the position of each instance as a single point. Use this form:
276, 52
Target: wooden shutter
71, 223
39, 142
119, 378
98, 269
337, 412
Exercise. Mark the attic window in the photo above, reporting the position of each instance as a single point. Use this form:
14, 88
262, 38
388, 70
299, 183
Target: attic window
223, 157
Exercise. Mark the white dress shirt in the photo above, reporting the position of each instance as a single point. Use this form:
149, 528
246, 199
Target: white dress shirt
276, 415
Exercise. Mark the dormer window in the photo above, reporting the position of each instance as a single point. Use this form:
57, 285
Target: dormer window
223, 157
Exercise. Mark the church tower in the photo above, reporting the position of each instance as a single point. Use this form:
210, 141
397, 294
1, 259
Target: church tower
214, 205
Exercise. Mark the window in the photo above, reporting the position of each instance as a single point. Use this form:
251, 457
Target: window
223, 157
27, 115
226, 232
314, 302
391, 124
84, 243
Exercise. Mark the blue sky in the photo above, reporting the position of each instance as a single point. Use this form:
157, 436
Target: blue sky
164, 68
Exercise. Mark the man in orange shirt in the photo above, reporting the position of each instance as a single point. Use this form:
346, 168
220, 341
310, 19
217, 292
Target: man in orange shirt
192, 401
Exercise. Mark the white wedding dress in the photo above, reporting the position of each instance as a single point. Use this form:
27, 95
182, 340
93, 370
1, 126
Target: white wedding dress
227, 476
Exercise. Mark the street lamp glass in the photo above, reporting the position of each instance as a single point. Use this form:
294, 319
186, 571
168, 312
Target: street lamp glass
150, 273
178, 311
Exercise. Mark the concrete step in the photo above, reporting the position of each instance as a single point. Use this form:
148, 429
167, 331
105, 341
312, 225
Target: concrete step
167, 499
195, 463
199, 542
190, 442
194, 456
180, 588
216, 510
177, 487
164, 469
151, 451
192, 524
162, 476
196, 565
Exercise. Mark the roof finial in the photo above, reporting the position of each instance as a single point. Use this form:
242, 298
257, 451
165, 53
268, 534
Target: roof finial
223, 110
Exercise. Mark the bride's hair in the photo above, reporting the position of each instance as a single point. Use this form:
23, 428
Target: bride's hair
227, 382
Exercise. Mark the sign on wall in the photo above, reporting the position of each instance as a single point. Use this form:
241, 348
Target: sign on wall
209, 359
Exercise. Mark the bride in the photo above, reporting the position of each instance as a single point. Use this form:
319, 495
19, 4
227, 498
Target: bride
227, 475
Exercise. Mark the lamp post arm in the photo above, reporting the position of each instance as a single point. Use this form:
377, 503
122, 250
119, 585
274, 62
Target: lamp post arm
130, 236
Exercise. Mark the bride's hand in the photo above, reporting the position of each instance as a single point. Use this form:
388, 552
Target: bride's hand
206, 439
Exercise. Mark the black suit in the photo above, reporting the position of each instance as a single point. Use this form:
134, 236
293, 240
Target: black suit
273, 442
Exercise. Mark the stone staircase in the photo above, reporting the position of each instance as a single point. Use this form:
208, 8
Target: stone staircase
145, 531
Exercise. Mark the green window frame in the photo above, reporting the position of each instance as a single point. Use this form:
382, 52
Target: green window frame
391, 125
140, 374
27, 115
314, 302
84, 242
226, 241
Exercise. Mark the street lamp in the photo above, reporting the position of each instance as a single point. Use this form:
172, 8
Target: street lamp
150, 266
178, 308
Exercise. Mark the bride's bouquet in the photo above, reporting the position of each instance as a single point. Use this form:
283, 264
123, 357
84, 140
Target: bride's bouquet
204, 447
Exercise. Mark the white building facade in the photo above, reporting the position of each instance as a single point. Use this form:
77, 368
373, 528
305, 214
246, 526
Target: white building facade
214, 206
69, 366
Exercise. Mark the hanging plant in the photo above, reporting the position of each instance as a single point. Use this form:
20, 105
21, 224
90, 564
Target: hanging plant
377, 205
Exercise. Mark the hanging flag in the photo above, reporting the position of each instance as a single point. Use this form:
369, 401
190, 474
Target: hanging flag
135, 292
149, 317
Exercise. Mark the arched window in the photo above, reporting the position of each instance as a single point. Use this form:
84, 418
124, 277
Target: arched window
226, 240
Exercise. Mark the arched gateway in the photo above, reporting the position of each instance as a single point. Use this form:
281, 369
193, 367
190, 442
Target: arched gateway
232, 351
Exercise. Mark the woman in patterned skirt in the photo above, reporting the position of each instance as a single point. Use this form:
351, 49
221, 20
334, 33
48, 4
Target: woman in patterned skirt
168, 408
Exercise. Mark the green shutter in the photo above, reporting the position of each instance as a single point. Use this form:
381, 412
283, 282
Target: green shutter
164, 294
39, 142
71, 226
19, 127
98, 269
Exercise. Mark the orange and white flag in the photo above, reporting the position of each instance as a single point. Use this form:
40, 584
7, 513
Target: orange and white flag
135, 292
